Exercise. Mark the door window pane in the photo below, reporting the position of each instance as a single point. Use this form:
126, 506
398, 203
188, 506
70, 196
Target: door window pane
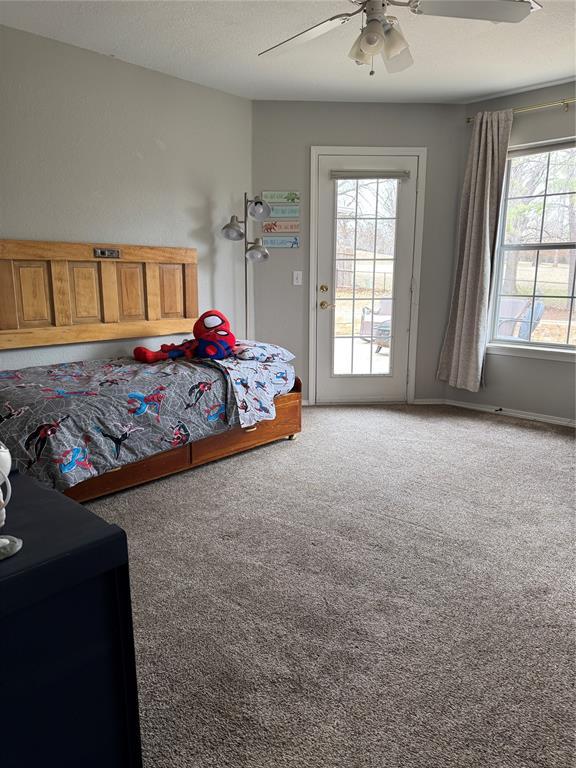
343, 316
366, 232
367, 196
344, 279
363, 297
345, 238
387, 198
346, 199
342, 361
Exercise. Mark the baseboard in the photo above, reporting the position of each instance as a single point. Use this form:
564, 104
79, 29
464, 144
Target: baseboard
496, 410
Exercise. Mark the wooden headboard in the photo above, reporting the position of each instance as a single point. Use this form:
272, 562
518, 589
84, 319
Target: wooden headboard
62, 293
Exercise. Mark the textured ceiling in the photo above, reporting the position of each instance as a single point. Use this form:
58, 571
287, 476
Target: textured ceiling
215, 42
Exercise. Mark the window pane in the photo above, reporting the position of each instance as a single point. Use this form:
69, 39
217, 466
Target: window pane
371, 357
513, 318
528, 175
518, 273
556, 273
385, 239
559, 219
572, 339
342, 356
550, 320
344, 279
387, 195
364, 279
361, 357
346, 198
524, 220
562, 173
343, 317
381, 357
365, 238
383, 282
345, 234
367, 193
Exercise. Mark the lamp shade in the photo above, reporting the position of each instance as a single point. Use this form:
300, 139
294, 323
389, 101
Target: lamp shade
233, 230
372, 37
258, 209
394, 41
257, 252
357, 54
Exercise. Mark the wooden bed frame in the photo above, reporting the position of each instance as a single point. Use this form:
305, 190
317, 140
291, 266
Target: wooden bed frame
65, 293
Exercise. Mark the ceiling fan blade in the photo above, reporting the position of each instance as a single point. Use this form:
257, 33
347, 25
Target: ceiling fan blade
398, 63
511, 11
313, 32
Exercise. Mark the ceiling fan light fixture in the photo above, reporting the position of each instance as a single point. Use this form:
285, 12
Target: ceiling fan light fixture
357, 54
372, 37
394, 41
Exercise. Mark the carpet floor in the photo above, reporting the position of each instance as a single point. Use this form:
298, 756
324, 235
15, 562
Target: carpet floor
391, 590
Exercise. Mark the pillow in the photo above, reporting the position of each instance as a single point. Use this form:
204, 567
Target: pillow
262, 352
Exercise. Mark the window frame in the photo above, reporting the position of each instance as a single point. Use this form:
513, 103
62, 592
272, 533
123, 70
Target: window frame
522, 347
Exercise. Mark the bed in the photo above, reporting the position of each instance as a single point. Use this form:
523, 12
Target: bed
96, 427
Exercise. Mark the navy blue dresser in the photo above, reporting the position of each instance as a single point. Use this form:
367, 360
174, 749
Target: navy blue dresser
68, 695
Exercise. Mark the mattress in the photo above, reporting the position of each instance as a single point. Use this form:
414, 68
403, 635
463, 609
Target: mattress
66, 423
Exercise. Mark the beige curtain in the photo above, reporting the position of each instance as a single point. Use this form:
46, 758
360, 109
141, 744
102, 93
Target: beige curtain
462, 356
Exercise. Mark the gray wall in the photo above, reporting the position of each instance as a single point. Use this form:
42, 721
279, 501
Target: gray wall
94, 149
283, 134
522, 383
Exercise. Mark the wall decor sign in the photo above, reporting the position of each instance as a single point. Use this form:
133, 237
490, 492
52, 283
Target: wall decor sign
285, 212
277, 226
282, 241
281, 197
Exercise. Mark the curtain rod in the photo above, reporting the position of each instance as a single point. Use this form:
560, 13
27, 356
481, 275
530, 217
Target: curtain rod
533, 107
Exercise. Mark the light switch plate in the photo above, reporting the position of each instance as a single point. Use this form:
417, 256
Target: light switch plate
297, 277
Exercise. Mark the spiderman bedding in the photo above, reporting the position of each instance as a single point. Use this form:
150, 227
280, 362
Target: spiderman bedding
66, 423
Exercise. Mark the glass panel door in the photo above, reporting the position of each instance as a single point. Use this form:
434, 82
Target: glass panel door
364, 249
365, 246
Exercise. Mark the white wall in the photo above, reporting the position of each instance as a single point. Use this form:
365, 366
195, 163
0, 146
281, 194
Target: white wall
283, 134
521, 383
94, 149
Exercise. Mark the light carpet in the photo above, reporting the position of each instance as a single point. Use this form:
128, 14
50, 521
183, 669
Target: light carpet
391, 590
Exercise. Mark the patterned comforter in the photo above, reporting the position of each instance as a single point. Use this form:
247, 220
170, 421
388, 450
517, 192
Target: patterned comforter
66, 423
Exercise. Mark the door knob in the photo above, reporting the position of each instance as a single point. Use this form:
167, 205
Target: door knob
325, 305
324, 288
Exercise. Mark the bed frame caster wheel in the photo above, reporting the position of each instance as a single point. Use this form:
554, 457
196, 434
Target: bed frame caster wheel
291, 437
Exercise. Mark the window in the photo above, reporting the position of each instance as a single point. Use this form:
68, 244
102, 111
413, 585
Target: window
533, 300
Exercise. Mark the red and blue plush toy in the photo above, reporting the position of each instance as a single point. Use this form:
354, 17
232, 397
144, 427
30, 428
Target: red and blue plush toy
213, 339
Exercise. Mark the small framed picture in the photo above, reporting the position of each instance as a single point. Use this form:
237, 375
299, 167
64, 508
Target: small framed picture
279, 226
282, 241
285, 212
281, 197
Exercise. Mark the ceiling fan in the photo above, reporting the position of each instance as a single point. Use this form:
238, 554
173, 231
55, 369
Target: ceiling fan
381, 33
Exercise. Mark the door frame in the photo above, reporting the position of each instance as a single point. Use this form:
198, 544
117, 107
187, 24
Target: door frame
315, 153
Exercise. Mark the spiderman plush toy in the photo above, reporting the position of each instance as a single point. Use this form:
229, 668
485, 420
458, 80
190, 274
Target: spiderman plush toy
213, 339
